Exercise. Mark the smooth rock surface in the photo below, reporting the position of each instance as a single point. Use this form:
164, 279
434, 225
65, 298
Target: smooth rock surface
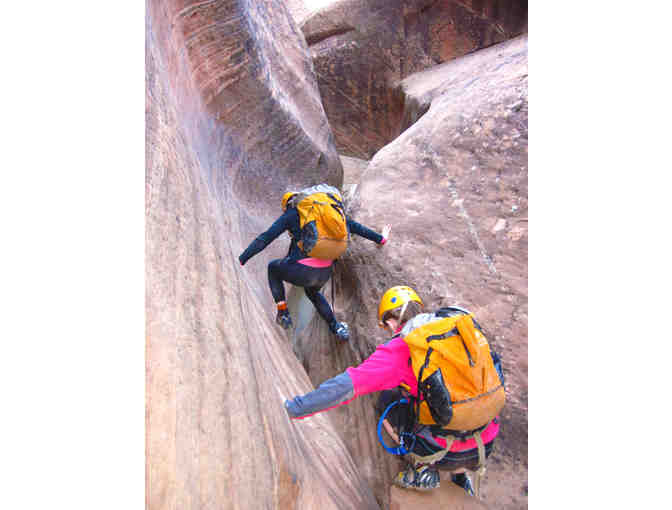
363, 48
454, 188
233, 118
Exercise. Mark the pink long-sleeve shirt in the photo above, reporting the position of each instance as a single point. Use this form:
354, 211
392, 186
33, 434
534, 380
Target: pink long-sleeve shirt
387, 368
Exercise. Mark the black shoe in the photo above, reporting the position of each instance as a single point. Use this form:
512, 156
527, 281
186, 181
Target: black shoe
284, 319
463, 481
342, 331
423, 478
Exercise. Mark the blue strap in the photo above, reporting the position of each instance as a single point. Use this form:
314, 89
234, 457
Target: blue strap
401, 449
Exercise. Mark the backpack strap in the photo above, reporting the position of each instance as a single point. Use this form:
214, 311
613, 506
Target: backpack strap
338, 206
434, 457
481, 450
461, 435
450, 439
417, 400
480, 472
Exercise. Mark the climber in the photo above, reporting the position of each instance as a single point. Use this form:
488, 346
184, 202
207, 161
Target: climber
304, 267
441, 429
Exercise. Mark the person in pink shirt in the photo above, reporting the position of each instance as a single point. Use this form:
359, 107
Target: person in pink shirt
389, 371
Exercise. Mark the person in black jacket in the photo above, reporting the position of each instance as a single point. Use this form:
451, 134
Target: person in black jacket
298, 269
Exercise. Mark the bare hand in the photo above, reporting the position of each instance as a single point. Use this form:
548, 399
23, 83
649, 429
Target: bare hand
386, 233
390, 430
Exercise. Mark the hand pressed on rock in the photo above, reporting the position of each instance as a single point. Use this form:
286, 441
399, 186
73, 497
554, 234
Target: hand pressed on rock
386, 234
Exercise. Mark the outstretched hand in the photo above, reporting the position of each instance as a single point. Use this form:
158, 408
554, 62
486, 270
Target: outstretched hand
385, 233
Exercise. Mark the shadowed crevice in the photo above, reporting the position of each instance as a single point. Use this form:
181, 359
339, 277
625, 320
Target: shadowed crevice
333, 32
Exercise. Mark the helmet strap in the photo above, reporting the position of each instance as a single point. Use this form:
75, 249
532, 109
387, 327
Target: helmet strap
401, 314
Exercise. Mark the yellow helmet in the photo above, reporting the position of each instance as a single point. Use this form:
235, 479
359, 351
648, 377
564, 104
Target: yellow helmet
396, 297
285, 199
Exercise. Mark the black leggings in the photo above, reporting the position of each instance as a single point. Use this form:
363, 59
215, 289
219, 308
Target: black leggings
312, 279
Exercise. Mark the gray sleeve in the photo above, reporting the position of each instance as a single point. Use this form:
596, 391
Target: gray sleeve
330, 393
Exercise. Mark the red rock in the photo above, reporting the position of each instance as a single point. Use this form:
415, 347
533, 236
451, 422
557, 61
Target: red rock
443, 185
233, 117
448, 495
363, 48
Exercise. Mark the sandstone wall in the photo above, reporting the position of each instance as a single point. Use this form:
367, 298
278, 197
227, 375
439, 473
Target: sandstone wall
233, 117
363, 48
453, 186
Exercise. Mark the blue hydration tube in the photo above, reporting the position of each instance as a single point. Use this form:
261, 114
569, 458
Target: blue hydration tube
401, 449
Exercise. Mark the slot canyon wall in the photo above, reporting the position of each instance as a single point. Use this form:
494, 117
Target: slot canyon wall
236, 113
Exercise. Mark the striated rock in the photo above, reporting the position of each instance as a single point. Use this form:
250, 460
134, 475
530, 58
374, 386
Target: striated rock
247, 61
353, 168
300, 10
322, 357
362, 48
454, 188
232, 118
461, 220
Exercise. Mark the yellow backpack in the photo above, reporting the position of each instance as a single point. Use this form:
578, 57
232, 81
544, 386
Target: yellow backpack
456, 373
324, 232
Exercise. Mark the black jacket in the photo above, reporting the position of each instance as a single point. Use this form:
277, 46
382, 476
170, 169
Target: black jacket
290, 221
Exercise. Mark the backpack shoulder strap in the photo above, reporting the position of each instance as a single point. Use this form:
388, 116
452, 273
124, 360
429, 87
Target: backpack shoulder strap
416, 322
450, 311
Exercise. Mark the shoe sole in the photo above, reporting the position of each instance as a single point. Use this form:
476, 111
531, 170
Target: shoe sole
284, 325
413, 487
403, 485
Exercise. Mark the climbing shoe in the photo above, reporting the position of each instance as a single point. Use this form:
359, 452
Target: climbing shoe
463, 481
284, 319
342, 331
423, 478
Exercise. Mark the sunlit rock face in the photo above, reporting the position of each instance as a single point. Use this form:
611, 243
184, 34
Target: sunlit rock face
233, 117
363, 48
453, 186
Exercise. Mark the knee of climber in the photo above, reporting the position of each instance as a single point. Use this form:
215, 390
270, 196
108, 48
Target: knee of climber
272, 267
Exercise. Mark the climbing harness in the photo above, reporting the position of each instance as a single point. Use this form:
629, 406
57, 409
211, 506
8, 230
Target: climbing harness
435, 457
403, 436
409, 438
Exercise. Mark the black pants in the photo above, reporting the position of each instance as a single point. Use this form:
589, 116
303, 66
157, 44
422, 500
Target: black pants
402, 418
312, 279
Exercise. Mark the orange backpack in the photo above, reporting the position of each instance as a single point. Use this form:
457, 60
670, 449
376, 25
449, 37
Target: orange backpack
457, 378
324, 231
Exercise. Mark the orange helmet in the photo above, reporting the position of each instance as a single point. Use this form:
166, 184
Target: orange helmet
285, 199
395, 298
